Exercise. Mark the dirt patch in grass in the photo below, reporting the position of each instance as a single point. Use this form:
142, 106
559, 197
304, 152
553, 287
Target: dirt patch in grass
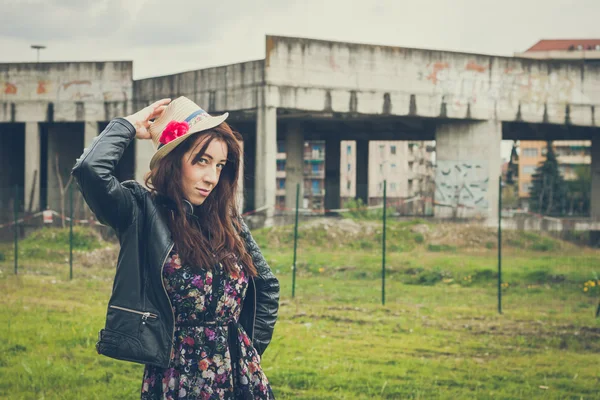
528, 333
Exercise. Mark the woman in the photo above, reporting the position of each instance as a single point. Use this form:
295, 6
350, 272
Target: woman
193, 297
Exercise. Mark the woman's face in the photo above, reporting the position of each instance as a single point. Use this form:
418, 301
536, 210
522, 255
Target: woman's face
200, 174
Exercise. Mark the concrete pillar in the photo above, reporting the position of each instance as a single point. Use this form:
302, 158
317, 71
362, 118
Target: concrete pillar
32, 166
240, 185
294, 164
362, 170
468, 168
266, 161
144, 150
90, 131
332, 173
595, 169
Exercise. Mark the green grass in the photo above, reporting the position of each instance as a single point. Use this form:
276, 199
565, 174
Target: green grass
438, 336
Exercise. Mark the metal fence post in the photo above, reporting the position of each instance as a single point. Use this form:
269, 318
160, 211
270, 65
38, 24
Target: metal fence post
16, 225
500, 245
71, 232
383, 242
295, 240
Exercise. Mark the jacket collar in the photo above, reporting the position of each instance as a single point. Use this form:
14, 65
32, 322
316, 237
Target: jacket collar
171, 205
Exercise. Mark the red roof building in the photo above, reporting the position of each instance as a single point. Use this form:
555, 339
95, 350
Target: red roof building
566, 45
587, 50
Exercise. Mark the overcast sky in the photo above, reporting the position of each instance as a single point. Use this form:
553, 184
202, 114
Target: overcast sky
168, 36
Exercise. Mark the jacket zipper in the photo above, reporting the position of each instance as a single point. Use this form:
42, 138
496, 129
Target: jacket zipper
254, 321
162, 266
145, 314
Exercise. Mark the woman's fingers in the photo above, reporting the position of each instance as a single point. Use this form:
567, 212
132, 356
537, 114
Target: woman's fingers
161, 102
158, 112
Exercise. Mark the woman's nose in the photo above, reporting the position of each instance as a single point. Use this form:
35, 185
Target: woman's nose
211, 176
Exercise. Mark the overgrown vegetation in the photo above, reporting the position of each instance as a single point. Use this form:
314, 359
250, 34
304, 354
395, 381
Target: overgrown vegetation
438, 336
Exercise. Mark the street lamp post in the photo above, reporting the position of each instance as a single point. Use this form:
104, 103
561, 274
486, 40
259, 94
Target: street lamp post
38, 48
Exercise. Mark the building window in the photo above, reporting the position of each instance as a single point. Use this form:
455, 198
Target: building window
316, 169
316, 189
381, 167
393, 166
348, 185
529, 169
525, 187
280, 165
392, 149
349, 167
349, 150
393, 186
530, 152
281, 183
381, 149
410, 165
281, 147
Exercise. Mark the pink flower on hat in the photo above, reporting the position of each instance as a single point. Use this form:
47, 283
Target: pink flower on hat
173, 130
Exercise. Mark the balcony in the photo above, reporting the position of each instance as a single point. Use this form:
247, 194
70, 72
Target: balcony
314, 192
314, 155
314, 174
576, 159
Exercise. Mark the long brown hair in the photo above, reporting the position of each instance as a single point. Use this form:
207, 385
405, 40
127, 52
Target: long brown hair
210, 235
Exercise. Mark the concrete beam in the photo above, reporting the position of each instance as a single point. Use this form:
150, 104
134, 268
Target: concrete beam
294, 165
32, 166
468, 169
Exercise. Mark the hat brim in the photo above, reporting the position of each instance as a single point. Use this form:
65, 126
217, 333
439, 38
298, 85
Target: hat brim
203, 125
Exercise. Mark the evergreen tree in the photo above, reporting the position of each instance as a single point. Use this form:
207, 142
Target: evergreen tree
548, 193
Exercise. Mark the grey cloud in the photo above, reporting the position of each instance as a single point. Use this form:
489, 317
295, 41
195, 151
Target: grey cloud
180, 22
49, 20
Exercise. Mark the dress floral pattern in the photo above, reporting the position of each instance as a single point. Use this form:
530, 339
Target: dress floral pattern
208, 339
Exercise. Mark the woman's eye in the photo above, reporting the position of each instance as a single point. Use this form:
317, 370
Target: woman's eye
203, 161
221, 166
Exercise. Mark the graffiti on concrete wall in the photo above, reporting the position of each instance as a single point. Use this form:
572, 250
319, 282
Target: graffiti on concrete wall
473, 82
462, 184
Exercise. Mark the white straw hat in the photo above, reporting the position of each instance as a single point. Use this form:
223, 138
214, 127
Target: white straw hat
181, 118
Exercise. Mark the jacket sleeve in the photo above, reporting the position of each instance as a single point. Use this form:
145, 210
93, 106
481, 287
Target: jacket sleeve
267, 293
111, 202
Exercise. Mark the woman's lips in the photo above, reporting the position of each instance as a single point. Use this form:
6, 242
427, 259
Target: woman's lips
204, 192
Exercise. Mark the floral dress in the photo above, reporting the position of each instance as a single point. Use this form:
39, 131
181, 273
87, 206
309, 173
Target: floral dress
208, 339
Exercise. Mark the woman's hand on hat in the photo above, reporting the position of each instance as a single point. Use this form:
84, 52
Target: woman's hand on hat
141, 119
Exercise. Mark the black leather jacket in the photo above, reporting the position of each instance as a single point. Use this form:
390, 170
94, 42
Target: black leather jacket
140, 321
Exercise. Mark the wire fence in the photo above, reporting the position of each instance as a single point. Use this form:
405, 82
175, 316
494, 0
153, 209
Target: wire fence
513, 258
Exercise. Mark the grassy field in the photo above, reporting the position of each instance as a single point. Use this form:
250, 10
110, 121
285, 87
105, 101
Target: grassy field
438, 336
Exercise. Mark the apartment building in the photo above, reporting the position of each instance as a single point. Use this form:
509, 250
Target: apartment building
406, 166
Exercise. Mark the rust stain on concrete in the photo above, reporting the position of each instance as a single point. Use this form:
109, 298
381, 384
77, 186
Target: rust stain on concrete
270, 46
10, 88
437, 67
41, 88
473, 66
66, 85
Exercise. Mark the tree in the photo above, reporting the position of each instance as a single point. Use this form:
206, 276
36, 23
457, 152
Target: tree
548, 193
579, 191
512, 174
